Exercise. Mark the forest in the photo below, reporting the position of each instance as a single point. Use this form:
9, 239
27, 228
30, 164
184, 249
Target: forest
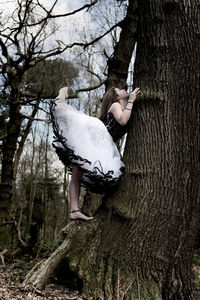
144, 240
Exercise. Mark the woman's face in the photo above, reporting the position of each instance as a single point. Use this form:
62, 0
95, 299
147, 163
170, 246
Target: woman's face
122, 94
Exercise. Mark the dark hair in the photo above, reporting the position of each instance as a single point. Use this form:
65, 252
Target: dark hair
108, 99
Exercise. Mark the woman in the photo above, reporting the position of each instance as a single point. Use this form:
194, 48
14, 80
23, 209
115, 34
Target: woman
86, 144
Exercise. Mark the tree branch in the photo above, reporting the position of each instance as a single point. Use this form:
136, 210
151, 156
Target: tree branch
91, 72
86, 90
84, 45
35, 119
42, 109
49, 16
35, 97
6, 223
24, 136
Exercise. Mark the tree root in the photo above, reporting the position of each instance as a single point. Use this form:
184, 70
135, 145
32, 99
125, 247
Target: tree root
41, 272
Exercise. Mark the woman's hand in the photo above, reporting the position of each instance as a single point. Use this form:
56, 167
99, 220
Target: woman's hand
133, 94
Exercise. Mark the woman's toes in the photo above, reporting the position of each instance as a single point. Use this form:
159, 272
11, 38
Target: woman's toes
79, 216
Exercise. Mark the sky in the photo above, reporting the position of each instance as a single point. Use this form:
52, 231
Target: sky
68, 26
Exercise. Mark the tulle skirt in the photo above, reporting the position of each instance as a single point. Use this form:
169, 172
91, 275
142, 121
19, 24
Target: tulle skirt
83, 141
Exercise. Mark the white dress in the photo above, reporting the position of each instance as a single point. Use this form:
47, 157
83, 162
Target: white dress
84, 141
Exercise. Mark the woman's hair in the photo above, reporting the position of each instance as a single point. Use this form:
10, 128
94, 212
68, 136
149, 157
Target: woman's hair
108, 99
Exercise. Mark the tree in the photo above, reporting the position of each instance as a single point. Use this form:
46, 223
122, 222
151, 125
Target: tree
47, 76
140, 245
50, 75
38, 208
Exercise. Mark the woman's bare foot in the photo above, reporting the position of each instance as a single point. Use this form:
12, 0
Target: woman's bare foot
77, 215
63, 93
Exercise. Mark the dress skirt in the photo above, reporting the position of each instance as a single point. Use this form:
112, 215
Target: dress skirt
83, 141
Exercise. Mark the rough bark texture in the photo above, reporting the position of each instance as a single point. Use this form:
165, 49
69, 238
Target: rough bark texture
166, 126
7, 171
140, 246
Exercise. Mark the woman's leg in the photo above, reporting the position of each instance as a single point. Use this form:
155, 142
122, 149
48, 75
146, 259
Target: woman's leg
74, 193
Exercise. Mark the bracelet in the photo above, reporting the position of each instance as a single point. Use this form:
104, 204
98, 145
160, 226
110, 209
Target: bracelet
128, 108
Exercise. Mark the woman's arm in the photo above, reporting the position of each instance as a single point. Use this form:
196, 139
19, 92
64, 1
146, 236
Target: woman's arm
123, 115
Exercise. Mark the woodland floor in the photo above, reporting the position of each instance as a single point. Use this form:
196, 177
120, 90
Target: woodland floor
13, 274
11, 287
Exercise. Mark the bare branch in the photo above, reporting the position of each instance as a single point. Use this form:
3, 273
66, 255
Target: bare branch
48, 12
35, 97
32, 43
6, 223
4, 49
42, 109
87, 89
84, 45
50, 96
95, 40
49, 16
35, 119
21, 21
91, 72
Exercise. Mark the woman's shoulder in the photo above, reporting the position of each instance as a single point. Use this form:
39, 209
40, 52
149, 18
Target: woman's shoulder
115, 106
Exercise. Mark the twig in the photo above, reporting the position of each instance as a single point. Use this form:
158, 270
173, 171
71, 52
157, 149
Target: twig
138, 285
35, 119
32, 288
6, 223
126, 290
91, 72
49, 16
118, 281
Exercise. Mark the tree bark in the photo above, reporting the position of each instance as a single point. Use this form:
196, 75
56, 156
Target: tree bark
7, 171
24, 137
140, 246
165, 162
118, 64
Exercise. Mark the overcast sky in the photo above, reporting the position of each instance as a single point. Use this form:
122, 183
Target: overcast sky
68, 26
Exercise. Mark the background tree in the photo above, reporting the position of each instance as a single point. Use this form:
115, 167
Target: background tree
140, 245
38, 204
47, 76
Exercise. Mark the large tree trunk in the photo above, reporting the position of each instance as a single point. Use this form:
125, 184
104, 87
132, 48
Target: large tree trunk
7, 171
140, 246
165, 143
